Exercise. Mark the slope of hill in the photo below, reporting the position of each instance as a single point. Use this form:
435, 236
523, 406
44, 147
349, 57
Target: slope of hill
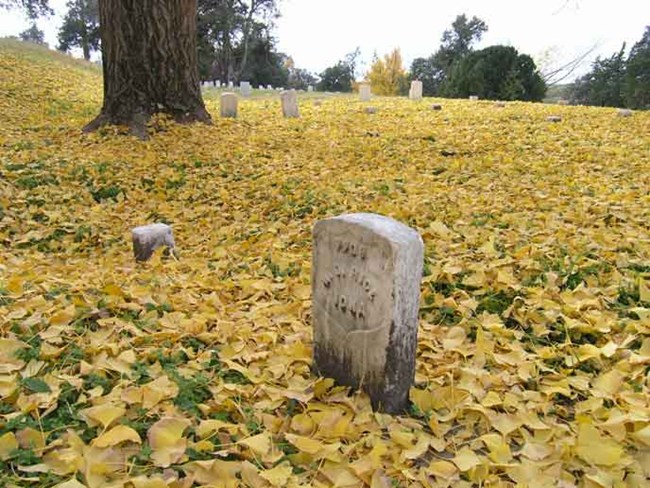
534, 337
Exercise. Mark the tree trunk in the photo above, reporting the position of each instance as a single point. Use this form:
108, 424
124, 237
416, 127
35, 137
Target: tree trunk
150, 63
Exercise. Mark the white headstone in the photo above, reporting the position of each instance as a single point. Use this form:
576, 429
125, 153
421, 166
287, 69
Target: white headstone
366, 275
500, 104
148, 238
289, 101
364, 92
554, 118
261, 87
310, 88
269, 87
473, 97
229, 105
217, 83
624, 112
416, 90
245, 88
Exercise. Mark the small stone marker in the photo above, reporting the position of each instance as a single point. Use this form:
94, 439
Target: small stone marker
217, 83
436, 106
553, 118
148, 238
624, 112
370, 110
473, 97
364, 92
231, 84
500, 104
310, 88
269, 87
366, 276
415, 93
245, 88
229, 105
289, 100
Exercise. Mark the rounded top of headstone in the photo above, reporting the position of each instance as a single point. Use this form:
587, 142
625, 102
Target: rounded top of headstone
384, 226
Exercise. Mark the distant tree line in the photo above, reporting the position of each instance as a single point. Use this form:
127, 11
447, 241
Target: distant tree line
618, 81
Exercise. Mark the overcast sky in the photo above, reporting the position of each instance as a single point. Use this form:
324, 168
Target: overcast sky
318, 33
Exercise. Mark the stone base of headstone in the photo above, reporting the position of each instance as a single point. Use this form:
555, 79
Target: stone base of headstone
366, 276
148, 238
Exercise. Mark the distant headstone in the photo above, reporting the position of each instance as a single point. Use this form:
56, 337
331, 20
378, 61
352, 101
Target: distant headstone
245, 88
370, 110
269, 87
217, 83
205, 84
231, 84
436, 106
415, 92
289, 101
554, 118
624, 112
310, 88
261, 87
366, 275
364, 92
148, 238
229, 105
473, 97
562, 101
500, 104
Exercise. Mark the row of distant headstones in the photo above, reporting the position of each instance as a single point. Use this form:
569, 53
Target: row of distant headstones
366, 277
289, 100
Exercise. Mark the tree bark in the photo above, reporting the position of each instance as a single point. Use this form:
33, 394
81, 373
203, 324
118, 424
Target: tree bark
150, 63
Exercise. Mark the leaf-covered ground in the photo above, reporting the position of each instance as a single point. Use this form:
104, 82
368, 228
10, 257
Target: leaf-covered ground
534, 343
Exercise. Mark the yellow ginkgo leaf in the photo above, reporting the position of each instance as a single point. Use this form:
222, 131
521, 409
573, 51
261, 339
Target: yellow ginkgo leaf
465, 459
103, 415
597, 449
167, 441
118, 434
305, 444
8, 443
279, 475
260, 444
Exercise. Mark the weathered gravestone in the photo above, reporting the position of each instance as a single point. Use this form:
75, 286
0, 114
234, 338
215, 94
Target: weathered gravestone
310, 88
366, 277
289, 101
415, 93
553, 118
217, 83
231, 84
229, 105
473, 97
269, 87
364, 92
148, 238
624, 112
436, 106
245, 88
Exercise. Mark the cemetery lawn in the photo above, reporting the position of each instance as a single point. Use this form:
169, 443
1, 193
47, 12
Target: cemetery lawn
534, 343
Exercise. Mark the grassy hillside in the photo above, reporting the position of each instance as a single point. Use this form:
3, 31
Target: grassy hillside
534, 342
